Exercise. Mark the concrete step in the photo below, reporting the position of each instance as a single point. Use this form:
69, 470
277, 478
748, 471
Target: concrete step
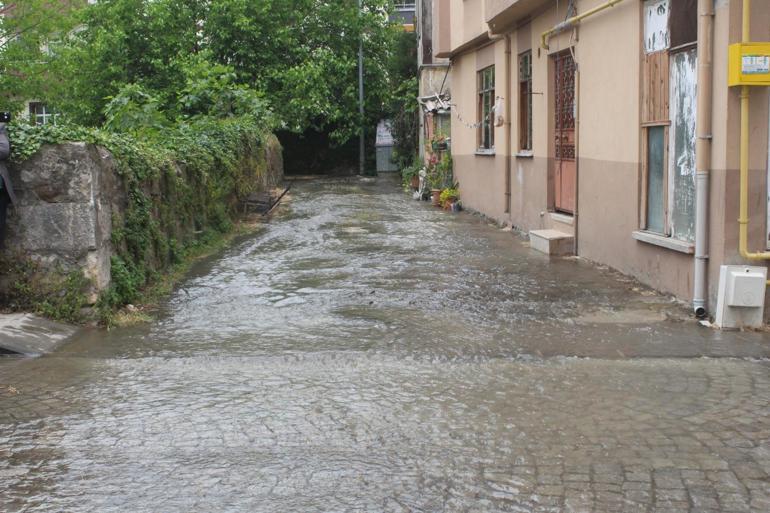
551, 242
561, 222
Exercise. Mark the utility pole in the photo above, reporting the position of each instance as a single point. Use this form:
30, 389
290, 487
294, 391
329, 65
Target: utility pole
362, 140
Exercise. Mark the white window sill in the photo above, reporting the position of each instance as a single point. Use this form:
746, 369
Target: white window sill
664, 242
525, 154
485, 153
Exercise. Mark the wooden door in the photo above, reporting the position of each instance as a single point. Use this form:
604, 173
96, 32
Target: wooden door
565, 168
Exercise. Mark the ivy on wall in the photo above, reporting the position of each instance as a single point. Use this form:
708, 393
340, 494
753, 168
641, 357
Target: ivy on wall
180, 188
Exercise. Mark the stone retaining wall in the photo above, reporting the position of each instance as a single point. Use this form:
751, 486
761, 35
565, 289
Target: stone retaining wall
68, 197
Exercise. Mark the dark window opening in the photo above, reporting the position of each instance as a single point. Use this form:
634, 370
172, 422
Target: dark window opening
525, 101
683, 22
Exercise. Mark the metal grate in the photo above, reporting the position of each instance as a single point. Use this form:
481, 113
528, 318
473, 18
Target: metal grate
564, 115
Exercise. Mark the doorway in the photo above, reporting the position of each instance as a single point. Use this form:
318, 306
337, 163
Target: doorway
565, 164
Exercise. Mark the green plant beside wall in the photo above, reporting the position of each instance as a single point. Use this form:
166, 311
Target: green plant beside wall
411, 171
182, 188
56, 294
449, 195
445, 171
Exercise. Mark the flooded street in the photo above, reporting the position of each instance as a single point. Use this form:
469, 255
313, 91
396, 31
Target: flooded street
365, 352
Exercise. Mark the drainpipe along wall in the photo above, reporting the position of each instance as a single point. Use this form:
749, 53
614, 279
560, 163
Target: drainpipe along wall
508, 143
703, 153
576, 214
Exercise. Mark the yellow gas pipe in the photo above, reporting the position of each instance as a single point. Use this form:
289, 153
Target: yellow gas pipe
743, 218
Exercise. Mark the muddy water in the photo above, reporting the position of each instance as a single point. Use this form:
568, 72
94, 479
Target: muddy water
365, 352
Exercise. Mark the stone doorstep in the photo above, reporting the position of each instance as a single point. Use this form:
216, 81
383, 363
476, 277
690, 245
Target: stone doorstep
561, 222
551, 242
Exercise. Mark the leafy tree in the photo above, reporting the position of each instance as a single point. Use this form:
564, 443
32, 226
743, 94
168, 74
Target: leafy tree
29, 33
213, 90
295, 58
403, 107
134, 110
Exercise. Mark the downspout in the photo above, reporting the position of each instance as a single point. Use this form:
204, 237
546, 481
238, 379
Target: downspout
508, 144
703, 153
570, 22
743, 219
576, 214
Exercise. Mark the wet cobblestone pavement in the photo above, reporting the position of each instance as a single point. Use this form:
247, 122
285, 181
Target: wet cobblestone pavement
367, 353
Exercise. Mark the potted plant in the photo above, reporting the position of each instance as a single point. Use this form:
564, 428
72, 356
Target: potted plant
435, 197
449, 197
444, 169
414, 182
435, 178
410, 176
440, 142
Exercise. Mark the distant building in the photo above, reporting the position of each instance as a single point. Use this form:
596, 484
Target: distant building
434, 78
404, 14
36, 111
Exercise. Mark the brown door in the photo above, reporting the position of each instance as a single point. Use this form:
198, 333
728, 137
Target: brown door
565, 170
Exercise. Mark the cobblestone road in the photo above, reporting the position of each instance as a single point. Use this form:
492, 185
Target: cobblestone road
366, 353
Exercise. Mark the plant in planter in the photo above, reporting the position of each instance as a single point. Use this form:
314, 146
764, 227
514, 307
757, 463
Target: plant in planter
439, 142
435, 197
410, 175
444, 169
436, 181
449, 197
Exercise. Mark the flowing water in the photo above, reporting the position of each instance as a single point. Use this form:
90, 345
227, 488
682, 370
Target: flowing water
366, 352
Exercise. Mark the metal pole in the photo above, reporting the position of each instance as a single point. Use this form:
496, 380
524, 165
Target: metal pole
362, 138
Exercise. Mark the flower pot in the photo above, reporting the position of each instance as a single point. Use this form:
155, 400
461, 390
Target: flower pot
449, 204
415, 182
435, 196
439, 146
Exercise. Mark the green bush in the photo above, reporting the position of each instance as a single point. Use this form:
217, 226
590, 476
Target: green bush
410, 171
450, 194
57, 294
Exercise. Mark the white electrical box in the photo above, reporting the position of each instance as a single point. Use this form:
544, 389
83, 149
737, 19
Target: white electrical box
741, 297
745, 288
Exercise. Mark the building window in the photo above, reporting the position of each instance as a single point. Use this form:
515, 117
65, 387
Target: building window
41, 114
525, 101
669, 91
682, 105
486, 104
657, 178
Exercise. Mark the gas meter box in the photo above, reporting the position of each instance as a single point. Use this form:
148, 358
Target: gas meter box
749, 64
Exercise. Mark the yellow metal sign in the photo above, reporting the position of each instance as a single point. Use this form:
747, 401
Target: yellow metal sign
749, 64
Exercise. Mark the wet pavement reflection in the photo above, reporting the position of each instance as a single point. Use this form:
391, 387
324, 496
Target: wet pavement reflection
365, 352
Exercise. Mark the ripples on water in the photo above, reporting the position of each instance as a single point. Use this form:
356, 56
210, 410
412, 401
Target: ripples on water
365, 352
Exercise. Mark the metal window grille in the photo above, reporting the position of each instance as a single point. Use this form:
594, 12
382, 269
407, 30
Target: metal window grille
565, 103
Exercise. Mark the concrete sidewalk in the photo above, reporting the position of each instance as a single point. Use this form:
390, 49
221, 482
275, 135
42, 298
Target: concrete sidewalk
31, 335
